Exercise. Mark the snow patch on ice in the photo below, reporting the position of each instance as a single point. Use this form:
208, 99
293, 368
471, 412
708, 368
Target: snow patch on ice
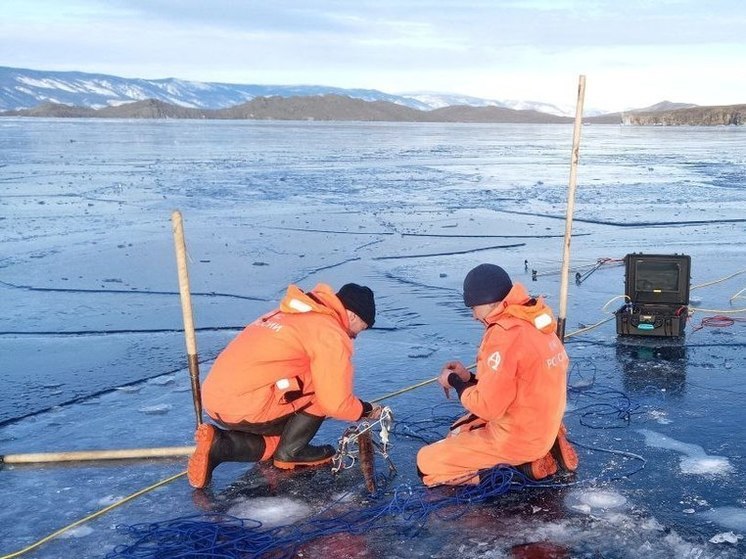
272, 511
695, 459
715, 465
660, 417
77, 532
108, 500
157, 409
129, 389
733, 518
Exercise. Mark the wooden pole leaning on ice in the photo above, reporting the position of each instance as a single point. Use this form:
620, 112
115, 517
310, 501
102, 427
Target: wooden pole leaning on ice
186, 310
561, 318
85, 455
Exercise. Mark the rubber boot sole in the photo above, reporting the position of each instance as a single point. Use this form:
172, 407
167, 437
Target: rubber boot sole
563, 451
198, 469
541, 468
292, 465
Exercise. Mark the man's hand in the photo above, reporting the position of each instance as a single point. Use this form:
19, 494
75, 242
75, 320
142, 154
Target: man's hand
449, 368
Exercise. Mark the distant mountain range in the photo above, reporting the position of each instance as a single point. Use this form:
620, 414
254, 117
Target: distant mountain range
76, 94
24, 89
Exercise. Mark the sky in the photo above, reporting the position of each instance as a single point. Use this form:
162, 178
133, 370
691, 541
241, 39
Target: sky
633, 53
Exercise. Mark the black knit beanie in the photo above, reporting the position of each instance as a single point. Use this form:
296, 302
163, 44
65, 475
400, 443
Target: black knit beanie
487, 283
359, 299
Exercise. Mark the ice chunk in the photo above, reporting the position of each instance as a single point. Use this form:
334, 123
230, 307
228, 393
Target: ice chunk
725, 537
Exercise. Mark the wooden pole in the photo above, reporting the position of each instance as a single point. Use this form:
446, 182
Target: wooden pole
186, 309
82, 455
570, 209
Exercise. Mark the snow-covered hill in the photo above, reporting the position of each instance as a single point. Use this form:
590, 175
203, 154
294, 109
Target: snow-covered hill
440, 100
21, 88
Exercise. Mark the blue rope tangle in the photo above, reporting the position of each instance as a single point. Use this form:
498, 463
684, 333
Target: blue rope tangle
220, 536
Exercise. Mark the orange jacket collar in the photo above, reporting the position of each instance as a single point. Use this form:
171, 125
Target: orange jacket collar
514, 305
297, 301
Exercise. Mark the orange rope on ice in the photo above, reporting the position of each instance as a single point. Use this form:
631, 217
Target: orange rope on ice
718, 321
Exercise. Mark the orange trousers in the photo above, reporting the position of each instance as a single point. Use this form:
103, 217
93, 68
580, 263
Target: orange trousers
455, 460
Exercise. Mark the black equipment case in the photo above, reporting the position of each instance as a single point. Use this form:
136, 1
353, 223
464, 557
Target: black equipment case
657, 295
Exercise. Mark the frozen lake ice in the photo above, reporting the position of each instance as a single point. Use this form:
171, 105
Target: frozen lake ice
93, 353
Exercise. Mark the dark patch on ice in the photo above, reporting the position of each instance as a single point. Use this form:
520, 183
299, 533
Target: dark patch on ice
322, 268
630, 223
420, 352
126, 291
123, 331
450, 253
332, 231
440, 236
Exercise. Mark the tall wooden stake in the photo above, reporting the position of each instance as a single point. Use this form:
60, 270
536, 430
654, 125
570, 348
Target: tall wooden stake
186, 310
570, 209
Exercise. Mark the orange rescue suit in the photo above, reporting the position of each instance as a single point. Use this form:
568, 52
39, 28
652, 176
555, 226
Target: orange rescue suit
516, 406
295, 357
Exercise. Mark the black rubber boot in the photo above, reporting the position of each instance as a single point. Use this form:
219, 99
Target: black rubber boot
294, 449
215, 446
